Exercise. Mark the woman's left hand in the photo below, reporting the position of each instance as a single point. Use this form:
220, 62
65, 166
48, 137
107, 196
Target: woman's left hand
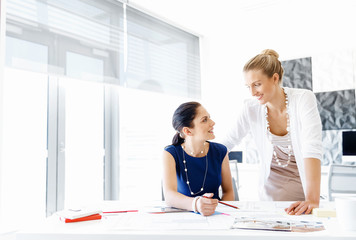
301, 207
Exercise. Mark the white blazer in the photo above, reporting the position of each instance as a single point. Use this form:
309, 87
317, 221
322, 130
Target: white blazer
306, 132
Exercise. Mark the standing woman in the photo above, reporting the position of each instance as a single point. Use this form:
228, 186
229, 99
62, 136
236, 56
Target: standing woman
286, 127
193, 166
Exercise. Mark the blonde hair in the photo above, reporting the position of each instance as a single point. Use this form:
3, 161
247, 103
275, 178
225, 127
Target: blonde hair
268, 62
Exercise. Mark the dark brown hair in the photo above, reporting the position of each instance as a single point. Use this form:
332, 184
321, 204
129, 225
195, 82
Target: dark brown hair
183, 117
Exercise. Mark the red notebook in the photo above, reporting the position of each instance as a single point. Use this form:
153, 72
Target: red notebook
81, 219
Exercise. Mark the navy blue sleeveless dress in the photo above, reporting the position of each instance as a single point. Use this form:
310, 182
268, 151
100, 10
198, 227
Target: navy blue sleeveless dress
196, 170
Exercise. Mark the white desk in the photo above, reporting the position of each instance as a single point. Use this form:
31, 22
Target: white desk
53, 229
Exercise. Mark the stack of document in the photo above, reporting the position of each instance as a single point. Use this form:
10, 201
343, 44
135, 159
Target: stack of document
78, 215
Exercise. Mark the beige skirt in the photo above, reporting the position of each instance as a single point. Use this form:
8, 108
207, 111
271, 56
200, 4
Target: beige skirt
283, 183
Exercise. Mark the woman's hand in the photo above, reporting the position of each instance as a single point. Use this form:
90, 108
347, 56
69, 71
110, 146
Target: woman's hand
301, 207
206, 205
312, 196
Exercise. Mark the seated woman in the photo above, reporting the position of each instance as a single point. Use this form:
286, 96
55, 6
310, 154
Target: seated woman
193, 166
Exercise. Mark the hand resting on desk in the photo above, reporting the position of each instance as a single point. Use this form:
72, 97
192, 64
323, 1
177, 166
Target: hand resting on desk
301, 207
312, 197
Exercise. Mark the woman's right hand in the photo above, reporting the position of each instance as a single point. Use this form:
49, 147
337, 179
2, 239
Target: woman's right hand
206, 205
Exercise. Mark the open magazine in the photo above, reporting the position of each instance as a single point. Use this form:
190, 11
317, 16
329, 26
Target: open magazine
255, 223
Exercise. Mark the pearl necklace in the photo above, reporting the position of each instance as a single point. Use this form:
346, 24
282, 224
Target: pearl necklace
192, 153
288, 134
186, 171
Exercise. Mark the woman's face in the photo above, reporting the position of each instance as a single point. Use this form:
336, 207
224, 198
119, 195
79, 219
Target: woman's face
262, 87
203, 125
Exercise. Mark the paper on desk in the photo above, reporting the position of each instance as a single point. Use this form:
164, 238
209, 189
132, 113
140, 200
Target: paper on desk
78, 212
163, 209
171, 221
253, 207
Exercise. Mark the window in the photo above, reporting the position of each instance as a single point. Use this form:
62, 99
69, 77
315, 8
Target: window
84, 136
145, 129
95, 84
24, 146
163, 70
26, 55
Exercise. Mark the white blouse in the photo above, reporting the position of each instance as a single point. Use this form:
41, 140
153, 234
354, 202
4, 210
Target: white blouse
281, 142
306, 132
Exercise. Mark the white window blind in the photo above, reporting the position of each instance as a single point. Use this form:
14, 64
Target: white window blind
93, 28
82, 20
161, 57
138, 50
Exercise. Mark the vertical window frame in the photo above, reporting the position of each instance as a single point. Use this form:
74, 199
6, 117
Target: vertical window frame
55, 147
2, 65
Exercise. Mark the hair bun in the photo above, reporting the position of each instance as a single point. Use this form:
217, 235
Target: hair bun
270, 52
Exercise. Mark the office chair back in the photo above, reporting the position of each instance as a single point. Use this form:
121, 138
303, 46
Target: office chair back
342, 179
235, 157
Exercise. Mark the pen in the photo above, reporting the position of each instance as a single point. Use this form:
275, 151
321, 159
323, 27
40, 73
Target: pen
225, 204
124, 211
229, 205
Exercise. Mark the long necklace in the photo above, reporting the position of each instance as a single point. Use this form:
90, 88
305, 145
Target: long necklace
288, 134
186, 171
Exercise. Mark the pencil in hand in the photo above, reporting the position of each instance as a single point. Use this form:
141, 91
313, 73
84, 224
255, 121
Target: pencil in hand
229, 205
225, 203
